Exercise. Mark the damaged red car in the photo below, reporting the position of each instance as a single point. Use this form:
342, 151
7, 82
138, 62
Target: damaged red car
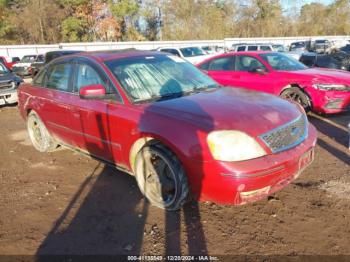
320, 90
159, 118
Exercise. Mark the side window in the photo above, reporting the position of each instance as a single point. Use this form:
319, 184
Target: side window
247, 63
204, 66
265, 48
40, 78
240, 48
308, 60
40, 58
86, 75
171, 51
221, 64
252, 48
58, 77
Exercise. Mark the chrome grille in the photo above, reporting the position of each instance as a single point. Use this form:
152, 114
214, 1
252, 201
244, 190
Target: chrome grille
286, 136
6, 85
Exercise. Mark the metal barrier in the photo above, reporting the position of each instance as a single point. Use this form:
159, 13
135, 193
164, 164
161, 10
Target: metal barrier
21, 50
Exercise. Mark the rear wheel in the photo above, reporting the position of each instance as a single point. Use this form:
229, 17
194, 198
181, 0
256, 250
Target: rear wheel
38, 134
161, 177
297, 95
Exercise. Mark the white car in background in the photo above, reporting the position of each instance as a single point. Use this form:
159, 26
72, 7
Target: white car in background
192, 54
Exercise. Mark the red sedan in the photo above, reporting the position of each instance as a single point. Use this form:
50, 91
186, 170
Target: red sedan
162, 120
318, 89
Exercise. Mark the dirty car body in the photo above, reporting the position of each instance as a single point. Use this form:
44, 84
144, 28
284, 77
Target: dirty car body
234, 145
318, 89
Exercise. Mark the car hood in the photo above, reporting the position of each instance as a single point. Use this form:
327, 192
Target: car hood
9, 77
322, 75
227, 108
21, 64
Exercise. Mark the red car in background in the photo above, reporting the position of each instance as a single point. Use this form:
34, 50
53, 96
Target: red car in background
317, 89
9, 62
159, 118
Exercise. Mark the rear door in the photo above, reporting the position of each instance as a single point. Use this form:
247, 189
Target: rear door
55, 100
221, 70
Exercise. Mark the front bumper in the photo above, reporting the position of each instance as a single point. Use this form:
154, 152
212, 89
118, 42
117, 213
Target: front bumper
22, 71
330, 102
247, 181
8, 97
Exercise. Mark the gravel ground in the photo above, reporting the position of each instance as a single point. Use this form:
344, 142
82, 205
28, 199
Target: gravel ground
66, 203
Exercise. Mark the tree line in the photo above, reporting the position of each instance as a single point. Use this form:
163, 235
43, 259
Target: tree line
54, 21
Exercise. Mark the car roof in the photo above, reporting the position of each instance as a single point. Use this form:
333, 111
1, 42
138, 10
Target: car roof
253, 52
114, 54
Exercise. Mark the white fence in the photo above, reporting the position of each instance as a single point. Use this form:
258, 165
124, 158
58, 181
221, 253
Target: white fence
21, 50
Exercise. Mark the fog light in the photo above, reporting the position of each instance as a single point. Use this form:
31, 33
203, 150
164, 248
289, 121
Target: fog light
334, 104
255, 194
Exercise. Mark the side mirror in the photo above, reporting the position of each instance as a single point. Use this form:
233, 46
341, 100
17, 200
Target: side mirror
97, 91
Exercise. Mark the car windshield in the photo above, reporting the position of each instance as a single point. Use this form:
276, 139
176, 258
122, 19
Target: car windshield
282, 62
279, 48
159, 77
192, 51
3, 69
28, 59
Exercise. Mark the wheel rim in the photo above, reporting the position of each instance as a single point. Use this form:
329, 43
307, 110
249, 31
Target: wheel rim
160, 183
293, 96
35, 132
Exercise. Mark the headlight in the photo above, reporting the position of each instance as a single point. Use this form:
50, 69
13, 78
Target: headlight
332, 87
232, 145
13, 84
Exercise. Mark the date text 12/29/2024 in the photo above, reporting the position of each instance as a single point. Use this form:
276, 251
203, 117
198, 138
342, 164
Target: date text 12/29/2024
173, 258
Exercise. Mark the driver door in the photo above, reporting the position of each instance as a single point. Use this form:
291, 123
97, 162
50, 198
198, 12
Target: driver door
96, 121
245, 76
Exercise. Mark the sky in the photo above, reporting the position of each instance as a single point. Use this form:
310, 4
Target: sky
291, 7
287, 4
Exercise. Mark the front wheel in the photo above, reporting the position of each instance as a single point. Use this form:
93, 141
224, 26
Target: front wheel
297, 95
38, 134
161, 177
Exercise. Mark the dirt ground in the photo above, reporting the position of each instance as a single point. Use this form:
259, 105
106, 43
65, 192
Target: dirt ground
66, 203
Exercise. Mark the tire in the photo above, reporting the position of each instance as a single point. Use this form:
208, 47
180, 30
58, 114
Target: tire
297, 95
38, 134
161, 177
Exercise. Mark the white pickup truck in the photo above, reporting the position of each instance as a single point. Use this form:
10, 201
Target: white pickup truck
192, 54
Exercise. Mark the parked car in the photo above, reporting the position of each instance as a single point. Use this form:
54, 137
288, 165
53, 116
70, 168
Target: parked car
337, 60
345, 48
212, 49
317, 89
24, 66
9, 83
299, 46
162, 120
192, 54
320, 46
9, 61
252, 47
49, 56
